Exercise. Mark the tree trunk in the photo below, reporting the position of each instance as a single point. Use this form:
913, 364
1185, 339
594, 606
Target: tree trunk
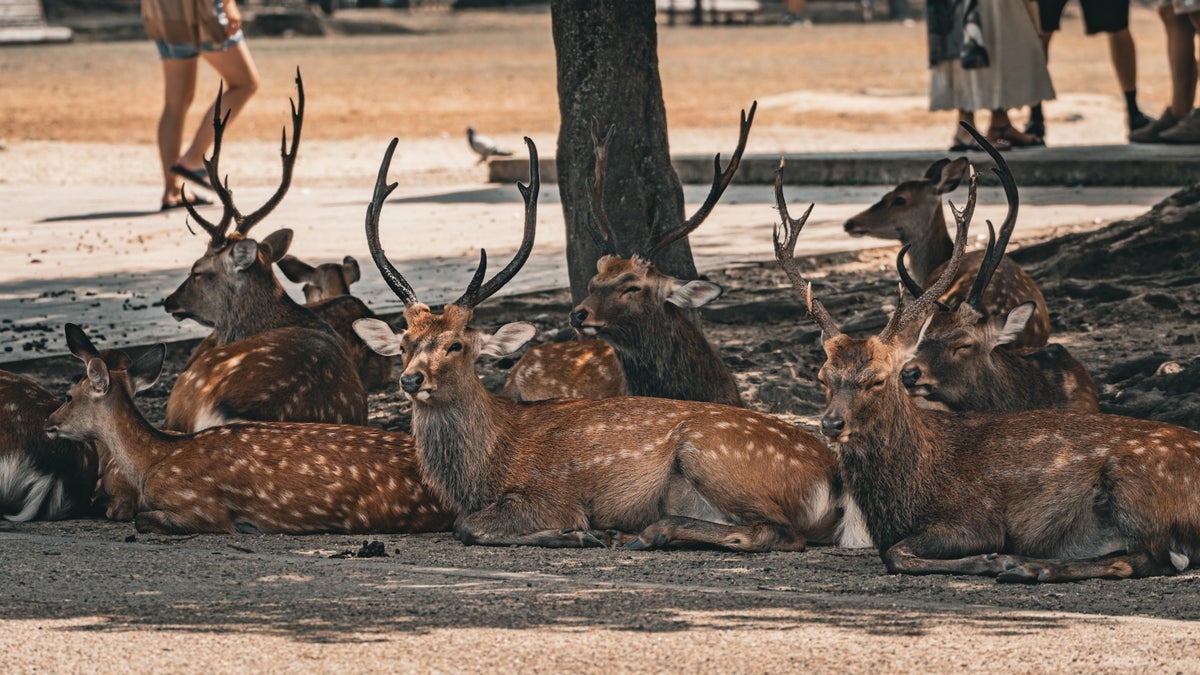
607, 53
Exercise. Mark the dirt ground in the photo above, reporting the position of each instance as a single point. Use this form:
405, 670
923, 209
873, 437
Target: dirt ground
83, 592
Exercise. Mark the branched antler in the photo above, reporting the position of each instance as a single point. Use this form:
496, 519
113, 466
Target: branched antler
996, 247
786, 234
391, 275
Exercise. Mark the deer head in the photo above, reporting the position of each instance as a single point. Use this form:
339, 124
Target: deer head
235, 266
911, 211
323, 282
438, 350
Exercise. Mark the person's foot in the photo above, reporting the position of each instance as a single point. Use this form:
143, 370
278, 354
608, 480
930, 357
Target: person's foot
1016, 139
1186, 131
1036, 128
1139, 120
1151, 133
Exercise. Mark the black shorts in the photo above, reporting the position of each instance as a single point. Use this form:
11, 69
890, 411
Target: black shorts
1099, 16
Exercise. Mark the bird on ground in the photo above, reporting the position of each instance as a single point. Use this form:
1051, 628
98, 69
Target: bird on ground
484, 146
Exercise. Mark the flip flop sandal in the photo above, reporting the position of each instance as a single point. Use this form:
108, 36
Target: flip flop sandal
197, 176
196, 200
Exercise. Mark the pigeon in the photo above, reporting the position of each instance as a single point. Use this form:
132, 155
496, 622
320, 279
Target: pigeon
485, 146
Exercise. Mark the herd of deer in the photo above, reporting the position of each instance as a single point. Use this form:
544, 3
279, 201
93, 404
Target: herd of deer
957, 440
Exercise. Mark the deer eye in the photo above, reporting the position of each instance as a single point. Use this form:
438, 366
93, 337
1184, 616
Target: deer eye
961, 349
899, 201
631, 290
878, 383
454, 347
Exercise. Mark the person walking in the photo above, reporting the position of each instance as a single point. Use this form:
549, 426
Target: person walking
986, 55
1099, 16
1180, 121
184, 31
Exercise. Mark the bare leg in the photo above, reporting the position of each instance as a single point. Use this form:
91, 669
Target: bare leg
1124, 59
237, 69
1115, 566
1181, 57
179, 84
681, 531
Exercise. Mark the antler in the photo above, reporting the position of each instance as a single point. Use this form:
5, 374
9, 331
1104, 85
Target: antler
785, 253
391, 275
598, 223
475, 293
991, 259
721, 181
231, 213
903, 315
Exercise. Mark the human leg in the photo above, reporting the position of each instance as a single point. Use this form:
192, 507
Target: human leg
179, 85
1183, 95
240, 75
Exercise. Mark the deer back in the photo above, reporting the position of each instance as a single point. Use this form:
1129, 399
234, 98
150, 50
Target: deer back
40, 478
572, 369
1010, 286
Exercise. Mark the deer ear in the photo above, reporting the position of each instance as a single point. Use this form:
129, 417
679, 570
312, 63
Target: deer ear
79, 343
97, 374
243, 254
1015, 322
694, 294
951, 175
146, 368
295, 269
378, 336
350, 270
508, 339
276, 244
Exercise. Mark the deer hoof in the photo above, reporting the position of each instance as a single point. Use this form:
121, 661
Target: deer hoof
589, 539
638, 544
1019, 574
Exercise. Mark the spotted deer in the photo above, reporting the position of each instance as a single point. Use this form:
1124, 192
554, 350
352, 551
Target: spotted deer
253, 477
41, 478
575, 473
327, 293
912, 212
1047, 495
268, 358
967, 359
639, 314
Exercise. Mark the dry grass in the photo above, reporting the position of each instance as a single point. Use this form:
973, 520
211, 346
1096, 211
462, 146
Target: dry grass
496, 70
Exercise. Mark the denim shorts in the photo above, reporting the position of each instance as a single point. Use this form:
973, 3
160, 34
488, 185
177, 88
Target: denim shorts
186, 50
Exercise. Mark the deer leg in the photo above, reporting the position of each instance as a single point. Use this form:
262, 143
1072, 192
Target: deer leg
162, 522
567, 537
680, 531
1116, 566
900, 559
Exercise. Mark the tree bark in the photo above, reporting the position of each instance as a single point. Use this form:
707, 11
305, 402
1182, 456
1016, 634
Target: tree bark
607, 54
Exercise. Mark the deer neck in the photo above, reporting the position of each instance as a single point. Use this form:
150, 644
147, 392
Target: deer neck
890, 462
134, 444
668, 357
931, 246
463, 442
261, 308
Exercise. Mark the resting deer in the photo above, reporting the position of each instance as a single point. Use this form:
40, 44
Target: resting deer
967, 359
912, 213
1048, 495
40, 478
575, 473
327, 294
254, 477
640, 315
268, 358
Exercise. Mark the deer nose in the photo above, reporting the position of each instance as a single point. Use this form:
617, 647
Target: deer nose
832, 425
578, 317
412, 383
910, 376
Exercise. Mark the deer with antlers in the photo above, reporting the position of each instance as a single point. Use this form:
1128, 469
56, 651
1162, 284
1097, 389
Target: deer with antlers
1048, 495
912, 212
253, 477
647, 346
574, 473
327, 293
41, 478
268, 358
969, 359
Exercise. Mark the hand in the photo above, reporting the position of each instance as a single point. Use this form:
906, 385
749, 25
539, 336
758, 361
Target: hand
233, 17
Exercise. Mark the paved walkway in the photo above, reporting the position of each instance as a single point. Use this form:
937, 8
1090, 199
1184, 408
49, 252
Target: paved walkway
79, 254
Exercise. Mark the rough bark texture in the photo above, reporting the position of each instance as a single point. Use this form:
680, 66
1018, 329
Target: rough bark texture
607, 53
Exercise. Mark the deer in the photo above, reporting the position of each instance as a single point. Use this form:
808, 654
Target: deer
41, 478
968, 358
912, 212
1031, 496
639, 472
251, 477
636, 313
327, 293
268, 358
